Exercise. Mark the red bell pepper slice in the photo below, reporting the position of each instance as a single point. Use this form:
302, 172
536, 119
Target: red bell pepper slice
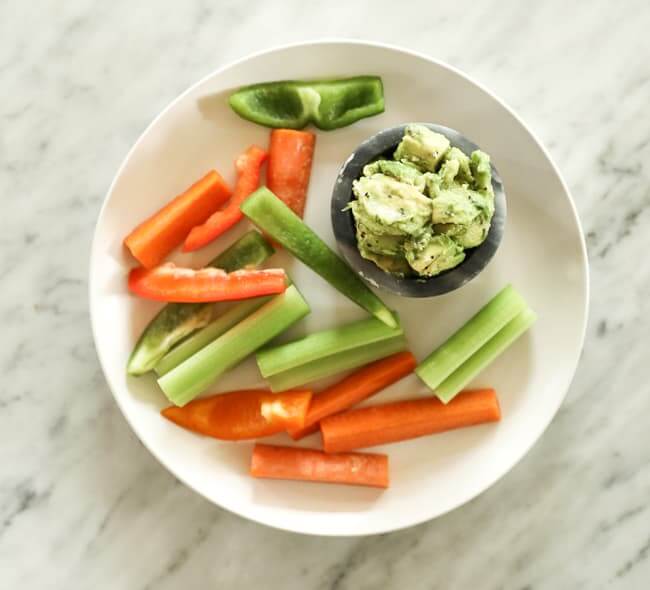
171, 283
248, 166
241, 415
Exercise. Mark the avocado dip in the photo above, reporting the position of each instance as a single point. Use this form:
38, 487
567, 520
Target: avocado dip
418, 213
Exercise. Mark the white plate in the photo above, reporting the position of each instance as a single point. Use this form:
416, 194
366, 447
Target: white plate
543, 254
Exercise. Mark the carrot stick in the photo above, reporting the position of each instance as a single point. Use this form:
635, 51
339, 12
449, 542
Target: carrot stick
157, 236
249, 167
242, 415
290, 157
355, 388
393, 422
363, 469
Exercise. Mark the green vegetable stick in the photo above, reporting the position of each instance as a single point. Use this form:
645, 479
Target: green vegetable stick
443, 361
205, 335
271, 215
336, 363
453, 384
175, 321
193, 376
320, 345
293, 104
250, 250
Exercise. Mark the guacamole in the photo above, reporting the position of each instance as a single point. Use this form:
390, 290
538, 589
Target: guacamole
417, 213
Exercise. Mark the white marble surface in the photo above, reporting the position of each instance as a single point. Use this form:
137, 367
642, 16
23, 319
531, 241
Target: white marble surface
83, 504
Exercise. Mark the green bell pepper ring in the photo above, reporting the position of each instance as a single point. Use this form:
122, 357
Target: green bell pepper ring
292, 104
176, 321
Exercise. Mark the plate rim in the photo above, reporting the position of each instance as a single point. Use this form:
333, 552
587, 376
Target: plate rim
295, 526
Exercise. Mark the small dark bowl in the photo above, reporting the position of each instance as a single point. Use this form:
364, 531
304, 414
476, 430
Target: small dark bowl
476, 259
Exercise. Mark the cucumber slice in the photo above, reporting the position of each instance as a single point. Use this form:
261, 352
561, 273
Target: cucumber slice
336, 363
271, 215
193, 376
443, 361
176, 321
319, 345
453, 384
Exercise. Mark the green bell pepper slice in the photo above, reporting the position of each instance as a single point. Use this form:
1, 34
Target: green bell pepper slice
293, 104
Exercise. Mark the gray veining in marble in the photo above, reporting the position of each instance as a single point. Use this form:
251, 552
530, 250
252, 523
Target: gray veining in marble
84, 505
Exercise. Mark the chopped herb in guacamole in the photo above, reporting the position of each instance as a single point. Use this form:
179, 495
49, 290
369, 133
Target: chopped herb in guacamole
417, 213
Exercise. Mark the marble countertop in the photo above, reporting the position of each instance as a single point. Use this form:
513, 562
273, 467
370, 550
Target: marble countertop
84, 505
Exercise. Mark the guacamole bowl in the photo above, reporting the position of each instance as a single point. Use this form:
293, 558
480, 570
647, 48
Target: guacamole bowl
383, 144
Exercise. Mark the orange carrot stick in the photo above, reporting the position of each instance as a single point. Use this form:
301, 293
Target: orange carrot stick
363, 469
241, 415
290, 157
157, 236
355, 388
393, 422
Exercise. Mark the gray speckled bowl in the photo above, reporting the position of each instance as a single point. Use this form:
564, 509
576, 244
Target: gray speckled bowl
476, 259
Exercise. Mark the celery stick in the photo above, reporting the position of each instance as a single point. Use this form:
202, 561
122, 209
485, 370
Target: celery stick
176, 321
485, 355
336, 363
443, 361
191, 377
323, 344
206, 335
271, 215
